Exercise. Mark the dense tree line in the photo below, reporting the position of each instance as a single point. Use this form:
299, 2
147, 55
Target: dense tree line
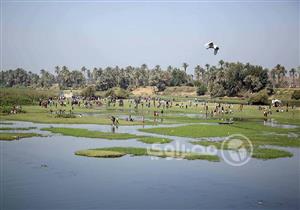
226, 79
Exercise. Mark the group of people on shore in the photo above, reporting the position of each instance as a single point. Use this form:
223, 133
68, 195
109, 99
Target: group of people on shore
160, 105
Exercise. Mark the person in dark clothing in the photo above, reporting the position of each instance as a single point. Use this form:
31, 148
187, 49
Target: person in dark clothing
113, 120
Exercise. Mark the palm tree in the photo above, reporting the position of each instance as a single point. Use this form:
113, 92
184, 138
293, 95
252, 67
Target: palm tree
273, 76
157, 68
89, 75
185, 65
197, 72
282, 72
83, 69
169, 68
57, 69
292, 74
202, 71
276, 72
144, 66
207, 66
221, 63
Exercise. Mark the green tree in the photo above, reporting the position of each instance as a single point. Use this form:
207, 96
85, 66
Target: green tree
185, 65
292, 74
221, 63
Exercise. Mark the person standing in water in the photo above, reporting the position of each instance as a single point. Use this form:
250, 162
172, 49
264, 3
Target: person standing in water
113, 120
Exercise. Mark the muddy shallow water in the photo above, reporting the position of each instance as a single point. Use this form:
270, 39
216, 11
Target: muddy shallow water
275, 124
43, 172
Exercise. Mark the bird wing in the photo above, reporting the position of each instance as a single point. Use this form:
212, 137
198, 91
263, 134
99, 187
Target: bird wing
216, 50
209, 45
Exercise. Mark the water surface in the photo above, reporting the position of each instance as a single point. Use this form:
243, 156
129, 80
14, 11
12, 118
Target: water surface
75, 182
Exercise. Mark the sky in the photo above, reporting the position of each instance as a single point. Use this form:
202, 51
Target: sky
39, 35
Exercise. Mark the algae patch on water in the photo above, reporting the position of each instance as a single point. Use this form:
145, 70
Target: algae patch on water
80, 132
15, 136
154, 140
112, 152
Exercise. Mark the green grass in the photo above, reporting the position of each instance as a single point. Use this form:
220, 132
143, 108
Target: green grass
267, 153
5, 123
48, 118
258, 153
22, 96
257, 133
42, 115
202, 130
135, 151
100, 153
217, 144
193, 131
154, 140
79, 132
15, 136
17, 128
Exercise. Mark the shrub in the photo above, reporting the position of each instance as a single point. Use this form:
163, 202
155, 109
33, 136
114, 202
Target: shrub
217, 90
23, 96
8, 110
5, 109
270, 89
117, 93
296, 94
161, 86
89, 91
63, 115
201, 90
260, 98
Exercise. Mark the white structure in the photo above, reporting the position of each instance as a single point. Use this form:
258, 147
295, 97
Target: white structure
276, 102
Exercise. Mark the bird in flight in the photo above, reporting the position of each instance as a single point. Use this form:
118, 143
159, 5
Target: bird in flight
211, 45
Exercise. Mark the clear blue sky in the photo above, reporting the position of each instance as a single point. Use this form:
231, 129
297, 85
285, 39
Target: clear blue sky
41, 35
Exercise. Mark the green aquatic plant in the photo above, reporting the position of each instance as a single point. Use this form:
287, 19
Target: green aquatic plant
136, 151
80, 132
16, 136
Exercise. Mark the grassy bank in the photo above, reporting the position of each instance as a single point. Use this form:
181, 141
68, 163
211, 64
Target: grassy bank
15, 136
135, 151
77, 132
5, 123
171, 115
154, 140
50, 118
23, 96
89, 134
258, 134
267, 153
258, 152
203, 130
17, 128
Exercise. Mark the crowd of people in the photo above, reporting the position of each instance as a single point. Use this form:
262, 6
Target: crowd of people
157, 105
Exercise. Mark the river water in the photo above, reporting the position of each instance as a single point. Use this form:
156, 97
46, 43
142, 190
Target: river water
44, 173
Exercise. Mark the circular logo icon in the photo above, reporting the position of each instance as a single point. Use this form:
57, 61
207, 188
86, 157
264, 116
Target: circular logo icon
236, 150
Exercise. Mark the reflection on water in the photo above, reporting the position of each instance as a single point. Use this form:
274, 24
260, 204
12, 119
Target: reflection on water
76, 182
140, 117
191, 115
275, 124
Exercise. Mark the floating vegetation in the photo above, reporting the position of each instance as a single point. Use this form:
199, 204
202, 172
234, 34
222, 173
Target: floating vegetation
154, 140
17, 128
80, 132
113, 152
16, 136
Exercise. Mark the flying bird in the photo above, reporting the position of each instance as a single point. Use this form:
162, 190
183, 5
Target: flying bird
211, 45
